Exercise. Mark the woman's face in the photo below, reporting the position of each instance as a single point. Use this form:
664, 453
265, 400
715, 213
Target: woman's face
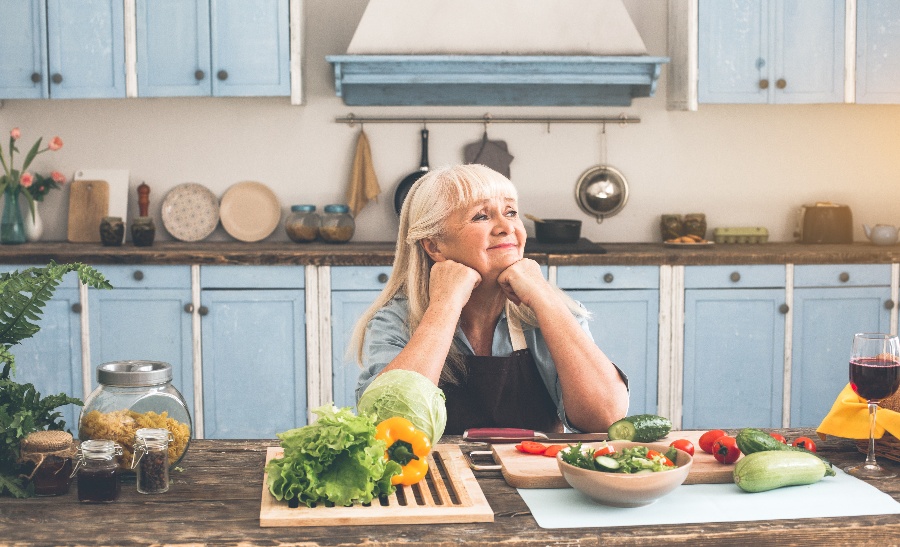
487, 236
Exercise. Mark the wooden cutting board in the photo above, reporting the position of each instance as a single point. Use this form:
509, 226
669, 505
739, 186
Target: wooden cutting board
88, 204
449, 493
530, 471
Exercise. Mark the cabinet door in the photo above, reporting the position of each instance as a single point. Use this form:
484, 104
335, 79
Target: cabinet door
173, 48
250, 47
878, 51
733, 49
254, 362
86, 46
23, 41
808, 42
733, 358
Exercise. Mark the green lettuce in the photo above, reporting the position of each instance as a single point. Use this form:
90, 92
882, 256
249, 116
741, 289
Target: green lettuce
410, 395
335, 459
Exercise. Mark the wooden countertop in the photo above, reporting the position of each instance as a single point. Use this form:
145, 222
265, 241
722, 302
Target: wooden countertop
216, 499
382, 253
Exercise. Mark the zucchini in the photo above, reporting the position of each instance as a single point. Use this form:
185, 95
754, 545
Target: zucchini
751, 440
770, 469
641, 428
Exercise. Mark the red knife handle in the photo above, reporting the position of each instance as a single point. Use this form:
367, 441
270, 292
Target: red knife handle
499, 434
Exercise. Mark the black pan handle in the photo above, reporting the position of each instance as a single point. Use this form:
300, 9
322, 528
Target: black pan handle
423, 165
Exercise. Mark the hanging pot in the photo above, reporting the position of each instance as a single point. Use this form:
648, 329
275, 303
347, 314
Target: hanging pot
410, 179
601, 191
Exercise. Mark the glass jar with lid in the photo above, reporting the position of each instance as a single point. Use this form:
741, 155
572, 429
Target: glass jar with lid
47, 456
302, 225
133, 395
98, 471
337, 224
151, 460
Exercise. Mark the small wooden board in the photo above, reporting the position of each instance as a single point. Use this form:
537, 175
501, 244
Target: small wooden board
530, 471
88, 204
449, 494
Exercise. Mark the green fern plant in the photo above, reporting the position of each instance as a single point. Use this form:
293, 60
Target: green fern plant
23, 295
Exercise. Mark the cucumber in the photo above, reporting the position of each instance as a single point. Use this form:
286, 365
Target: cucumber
641, 428
770, 469
605, 463
751, 440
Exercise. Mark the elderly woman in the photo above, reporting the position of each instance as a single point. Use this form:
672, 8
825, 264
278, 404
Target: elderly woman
467, 311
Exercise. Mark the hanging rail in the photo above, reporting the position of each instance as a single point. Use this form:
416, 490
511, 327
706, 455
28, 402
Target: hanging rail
351, 119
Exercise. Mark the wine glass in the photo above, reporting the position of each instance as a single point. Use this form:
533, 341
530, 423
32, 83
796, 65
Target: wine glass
874, 375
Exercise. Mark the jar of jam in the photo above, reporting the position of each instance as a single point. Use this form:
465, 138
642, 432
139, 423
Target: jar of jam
98, 471
151, 460
302, 225
337, 224
48, 458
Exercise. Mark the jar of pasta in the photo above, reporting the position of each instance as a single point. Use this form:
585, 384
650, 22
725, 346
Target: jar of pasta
337, 224
134, 395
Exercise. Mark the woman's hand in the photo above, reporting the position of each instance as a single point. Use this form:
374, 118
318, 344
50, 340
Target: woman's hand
451, 283
523, 282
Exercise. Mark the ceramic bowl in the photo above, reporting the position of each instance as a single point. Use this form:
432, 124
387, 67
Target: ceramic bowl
623, 489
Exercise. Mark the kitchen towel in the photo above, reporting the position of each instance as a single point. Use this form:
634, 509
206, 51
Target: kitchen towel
849, 418
493, 154
838, 496
363, 181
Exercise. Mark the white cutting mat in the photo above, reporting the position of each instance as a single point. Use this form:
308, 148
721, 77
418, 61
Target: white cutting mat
840, 496
118, 189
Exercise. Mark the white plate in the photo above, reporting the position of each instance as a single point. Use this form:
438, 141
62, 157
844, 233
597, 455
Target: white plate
250, 211
190, 212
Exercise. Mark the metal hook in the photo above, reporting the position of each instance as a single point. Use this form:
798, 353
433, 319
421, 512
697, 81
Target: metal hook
624, 119
351, 120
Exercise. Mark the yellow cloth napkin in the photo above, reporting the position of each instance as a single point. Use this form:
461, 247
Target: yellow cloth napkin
849, 418
363, 182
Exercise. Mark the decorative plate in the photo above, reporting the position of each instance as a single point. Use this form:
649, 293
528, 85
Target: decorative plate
190, 212
250, 211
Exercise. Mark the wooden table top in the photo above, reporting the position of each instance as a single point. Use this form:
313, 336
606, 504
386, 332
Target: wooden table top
216, 499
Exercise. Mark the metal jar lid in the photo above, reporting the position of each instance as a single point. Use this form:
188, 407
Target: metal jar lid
134, 373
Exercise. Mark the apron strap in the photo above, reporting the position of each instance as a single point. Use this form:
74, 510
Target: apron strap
516, 336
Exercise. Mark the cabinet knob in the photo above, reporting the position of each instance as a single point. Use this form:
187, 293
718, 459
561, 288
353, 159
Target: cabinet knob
780, 83
844, 277
608, 278
222, 75
76, 308
189, 308
735, 276
382, 278
199, 75
783, 309
203, 310
36, 77
888, 304
138, 275
56, 78
764, 84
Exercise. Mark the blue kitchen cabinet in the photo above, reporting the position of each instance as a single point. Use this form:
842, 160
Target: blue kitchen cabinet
173, 48
353, 290
733, 346
878, 51
51, 359
771, 51
624, 305
253, 350
831, 303
146, 316
23, 43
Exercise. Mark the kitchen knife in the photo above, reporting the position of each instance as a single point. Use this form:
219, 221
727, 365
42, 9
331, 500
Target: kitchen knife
514, 435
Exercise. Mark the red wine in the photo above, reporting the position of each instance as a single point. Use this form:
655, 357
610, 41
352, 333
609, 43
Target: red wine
873, 378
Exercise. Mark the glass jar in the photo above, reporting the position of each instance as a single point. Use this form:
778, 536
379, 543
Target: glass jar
151, 460
98, 471
337, 224
48, 458
134, 395
302, 225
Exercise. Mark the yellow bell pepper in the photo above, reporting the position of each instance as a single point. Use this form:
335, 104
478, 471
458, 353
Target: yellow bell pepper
407, 446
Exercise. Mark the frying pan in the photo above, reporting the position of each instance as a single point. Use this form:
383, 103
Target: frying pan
406, 183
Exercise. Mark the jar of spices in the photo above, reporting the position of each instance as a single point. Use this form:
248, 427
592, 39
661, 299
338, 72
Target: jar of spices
98, 471
112, 231
151, 460
337, 224
133, 395
48, 457
302, 225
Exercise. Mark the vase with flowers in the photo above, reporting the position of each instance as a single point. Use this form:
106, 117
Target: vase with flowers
34, 226
16, 182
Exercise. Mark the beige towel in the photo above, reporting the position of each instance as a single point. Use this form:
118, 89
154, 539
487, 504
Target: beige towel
363, 182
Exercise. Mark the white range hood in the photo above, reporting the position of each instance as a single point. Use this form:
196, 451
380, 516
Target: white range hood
495, 52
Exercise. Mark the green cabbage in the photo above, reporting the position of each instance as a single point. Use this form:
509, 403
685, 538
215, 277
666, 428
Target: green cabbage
409, 394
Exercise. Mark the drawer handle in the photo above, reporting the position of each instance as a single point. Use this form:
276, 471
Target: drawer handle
382, 278
608, 278
735, 276
203, 310
888, 304
844, 277
36, 77
138, 275
76, 308
783, 309
764, 84
56, 78
189, 308
780, 83
199, 75
222, 75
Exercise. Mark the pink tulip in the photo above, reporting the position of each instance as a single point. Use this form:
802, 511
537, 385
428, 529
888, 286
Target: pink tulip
26, 179
55, 144
15, 133
58, 177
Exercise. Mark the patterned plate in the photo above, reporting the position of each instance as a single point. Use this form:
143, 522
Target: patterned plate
190, 212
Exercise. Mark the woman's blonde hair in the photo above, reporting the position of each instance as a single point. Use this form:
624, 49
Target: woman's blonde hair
428, 205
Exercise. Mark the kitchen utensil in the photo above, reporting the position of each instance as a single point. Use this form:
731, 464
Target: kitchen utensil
825, 222
494, 154
118, 181
533, 218
250, 211
602, 190
88, 205
513, 435
555, 230
427, 502
406, 183
190, 212
881, 234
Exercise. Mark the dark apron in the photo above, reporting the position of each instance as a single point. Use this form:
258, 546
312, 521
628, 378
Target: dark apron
501, 392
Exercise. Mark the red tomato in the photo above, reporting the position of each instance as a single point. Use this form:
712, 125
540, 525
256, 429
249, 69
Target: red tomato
553, 449
531, 447
708, 438
725, 449
651, 454
779, 437
604, 450
684, 444
804, 442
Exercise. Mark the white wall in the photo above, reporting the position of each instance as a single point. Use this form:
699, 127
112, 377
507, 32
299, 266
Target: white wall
741, 165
